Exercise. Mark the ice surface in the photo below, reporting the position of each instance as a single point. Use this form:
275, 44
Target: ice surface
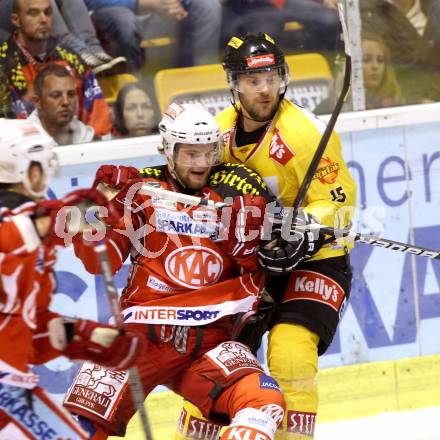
422, 424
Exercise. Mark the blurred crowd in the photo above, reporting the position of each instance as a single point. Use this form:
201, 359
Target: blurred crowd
55, 55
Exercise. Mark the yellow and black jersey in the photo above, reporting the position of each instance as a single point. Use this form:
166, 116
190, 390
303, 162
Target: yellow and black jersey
282, 156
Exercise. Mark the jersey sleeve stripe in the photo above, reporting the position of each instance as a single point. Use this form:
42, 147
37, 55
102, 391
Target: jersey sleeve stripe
115, 247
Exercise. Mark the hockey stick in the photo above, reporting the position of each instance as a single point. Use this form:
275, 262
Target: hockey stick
332, 121
160, 193
136, 384
195, 201
382, 242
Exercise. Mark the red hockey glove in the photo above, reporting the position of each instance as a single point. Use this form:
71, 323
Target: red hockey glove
243, 225
64, 225
103, 344
115, 176
129, 197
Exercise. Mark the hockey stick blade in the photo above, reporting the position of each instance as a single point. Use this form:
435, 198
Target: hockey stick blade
382, 242
333, 118
135, 381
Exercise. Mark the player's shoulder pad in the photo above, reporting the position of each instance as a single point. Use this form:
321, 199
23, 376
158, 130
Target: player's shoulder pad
231, 180
157, 172
13, 200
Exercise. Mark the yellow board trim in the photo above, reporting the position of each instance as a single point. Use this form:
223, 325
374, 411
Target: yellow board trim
157, 42
290, 26
345, 393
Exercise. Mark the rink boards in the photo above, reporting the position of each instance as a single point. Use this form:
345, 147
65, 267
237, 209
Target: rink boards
348, 392
394, 310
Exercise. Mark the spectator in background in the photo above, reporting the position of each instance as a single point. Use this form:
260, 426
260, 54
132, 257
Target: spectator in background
410, 30
320, 20
381, 86
77, 32
250, 16
6, 27
56, 105
119, 27
74, 29
133, 112
29, 48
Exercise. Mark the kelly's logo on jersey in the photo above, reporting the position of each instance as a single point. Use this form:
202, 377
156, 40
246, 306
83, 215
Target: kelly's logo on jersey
278, 150
194, 266
327, 171
315, 287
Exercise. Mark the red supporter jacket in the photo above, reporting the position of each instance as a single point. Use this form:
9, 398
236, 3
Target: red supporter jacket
179, 274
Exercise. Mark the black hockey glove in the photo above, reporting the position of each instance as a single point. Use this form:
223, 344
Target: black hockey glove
253, 331
288, 247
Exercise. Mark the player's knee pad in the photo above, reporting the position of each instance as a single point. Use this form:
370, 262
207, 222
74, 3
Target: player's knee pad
255, 391
192, 425
258, 390
251, 423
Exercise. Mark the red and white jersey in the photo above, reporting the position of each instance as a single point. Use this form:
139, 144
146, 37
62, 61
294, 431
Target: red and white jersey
26, 286
179, 275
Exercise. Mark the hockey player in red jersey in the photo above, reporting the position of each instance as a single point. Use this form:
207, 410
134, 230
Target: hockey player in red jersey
29, 332
193, 281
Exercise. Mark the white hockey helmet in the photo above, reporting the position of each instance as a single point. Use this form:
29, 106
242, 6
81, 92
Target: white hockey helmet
23, 143
190, 124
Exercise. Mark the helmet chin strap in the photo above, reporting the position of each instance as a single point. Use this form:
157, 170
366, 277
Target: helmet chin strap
174, 174
31, 192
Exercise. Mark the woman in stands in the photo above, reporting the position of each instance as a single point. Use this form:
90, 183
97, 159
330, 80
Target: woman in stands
133, 113
381, 86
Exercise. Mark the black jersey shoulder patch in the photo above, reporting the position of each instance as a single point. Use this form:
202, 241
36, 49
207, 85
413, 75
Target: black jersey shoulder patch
157, 172
231, 180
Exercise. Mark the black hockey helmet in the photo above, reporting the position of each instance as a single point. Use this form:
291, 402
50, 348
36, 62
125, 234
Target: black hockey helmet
252, 54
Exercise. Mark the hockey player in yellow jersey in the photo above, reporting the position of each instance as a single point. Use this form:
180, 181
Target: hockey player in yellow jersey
277, 139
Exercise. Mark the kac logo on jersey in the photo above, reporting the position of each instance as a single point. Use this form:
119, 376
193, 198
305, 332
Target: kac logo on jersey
278, 150
194, 266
